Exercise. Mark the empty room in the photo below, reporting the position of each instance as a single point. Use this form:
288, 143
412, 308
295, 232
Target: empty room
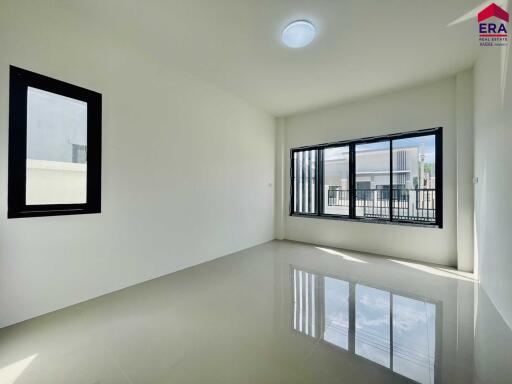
255, 191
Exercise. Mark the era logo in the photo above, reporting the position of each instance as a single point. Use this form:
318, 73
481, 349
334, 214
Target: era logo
493, 29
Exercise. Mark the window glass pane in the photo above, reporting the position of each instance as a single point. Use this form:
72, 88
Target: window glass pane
336, 293
414, 339
414, 179
372, 180
304, 181
336, 181
373, 324
56, 149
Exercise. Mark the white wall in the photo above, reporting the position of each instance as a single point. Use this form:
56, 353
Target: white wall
427, 106
493, 204
187, 168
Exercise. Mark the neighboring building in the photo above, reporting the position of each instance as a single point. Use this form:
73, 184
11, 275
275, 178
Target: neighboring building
56, 128
413, 183
56, 149
410, 171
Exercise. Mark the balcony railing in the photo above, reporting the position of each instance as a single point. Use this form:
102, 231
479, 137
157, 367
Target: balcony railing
418, 205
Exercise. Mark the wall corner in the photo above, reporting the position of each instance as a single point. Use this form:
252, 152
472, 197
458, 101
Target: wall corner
465, 159
280, 173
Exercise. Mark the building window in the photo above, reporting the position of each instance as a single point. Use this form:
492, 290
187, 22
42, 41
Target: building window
79, 154
54, 147
394, 178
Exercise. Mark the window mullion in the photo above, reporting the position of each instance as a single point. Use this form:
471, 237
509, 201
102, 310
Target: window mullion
439, 179
352, 181
310, 182
293, 185
390, 180
319, 182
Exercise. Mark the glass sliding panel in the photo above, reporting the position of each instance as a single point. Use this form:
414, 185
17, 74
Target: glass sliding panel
414, 339
336, 181
56, 163
414, 179
372, 338
336, 315
372, 180
304, 181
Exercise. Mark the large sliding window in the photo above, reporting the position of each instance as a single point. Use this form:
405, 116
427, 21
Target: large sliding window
394, 178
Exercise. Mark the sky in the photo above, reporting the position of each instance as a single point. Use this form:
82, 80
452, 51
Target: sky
427, 143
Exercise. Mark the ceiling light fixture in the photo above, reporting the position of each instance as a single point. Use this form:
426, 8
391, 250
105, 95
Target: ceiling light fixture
298, 34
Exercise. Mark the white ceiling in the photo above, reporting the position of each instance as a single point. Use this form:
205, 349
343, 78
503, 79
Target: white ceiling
363, 47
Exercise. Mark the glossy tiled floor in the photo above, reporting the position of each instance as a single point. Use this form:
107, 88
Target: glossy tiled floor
281, 312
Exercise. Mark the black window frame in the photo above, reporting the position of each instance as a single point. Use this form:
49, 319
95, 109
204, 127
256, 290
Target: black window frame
319, 192
20, 80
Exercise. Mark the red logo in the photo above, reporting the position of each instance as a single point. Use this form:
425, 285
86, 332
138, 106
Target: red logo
492, 10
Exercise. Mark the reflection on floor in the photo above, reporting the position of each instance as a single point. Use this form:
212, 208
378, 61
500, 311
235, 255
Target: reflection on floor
390, 329
281, 312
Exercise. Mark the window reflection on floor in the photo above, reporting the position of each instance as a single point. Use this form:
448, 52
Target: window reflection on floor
304, 304
372, 324
336, 317
414, 338
390, 329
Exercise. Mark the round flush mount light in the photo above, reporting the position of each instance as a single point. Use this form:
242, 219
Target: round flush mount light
298, 34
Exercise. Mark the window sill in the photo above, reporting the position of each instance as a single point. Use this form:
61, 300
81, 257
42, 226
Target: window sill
53, 212
368, 221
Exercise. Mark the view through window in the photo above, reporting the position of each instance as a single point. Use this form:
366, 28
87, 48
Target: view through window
56, 147
336, 181
414, 178
372, 180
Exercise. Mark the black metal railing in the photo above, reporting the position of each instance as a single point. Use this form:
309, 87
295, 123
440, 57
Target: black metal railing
417, 205
336, 197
